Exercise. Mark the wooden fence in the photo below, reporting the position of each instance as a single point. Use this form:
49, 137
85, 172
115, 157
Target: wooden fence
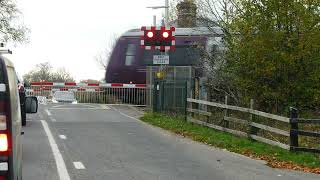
251, 132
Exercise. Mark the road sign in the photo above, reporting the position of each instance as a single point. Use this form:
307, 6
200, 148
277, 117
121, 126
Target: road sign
161, 59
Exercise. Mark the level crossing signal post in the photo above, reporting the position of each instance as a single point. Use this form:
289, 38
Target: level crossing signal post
160, 39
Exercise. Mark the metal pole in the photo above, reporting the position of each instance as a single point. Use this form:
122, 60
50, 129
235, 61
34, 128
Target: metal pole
166, 13
154, 20
186, 101
166, 24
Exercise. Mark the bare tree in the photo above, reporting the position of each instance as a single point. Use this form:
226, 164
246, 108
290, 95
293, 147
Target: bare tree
90, 81
173, 11
44, 72
61, 75
215, 15
11, 27
103, 57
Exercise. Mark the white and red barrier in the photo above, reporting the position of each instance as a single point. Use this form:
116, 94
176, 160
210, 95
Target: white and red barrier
76, 87
105, 93
73, 84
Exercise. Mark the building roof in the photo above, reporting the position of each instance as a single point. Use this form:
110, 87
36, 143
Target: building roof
197, 31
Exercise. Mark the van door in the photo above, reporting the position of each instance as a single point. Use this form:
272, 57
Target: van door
15, 161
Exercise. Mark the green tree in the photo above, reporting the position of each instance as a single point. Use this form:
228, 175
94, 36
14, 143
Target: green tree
11, 28
274, 52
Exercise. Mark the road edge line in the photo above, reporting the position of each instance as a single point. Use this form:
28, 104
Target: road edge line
61, 166
48, 112
123, 114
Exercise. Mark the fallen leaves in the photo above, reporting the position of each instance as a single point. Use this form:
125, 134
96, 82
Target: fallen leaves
290, 165
237, 145
273, 162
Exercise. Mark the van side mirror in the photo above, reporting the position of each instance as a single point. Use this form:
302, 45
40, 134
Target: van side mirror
31, 105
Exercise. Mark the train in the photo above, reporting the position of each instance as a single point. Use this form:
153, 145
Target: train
128, 61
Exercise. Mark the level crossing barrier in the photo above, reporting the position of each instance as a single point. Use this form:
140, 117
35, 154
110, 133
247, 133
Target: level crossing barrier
104, 93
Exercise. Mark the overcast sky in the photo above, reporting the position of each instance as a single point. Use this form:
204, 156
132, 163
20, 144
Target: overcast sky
70, 33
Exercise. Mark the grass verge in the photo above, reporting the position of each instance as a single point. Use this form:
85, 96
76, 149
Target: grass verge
276, 157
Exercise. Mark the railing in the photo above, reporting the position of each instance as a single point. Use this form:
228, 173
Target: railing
253, 127
295, 132
94, 93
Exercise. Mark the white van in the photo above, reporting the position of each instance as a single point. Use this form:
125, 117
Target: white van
10, 122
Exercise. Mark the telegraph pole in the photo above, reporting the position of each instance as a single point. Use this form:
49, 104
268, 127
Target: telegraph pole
166, 14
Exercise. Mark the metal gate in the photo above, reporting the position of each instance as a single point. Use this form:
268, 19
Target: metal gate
170, 96
103, 93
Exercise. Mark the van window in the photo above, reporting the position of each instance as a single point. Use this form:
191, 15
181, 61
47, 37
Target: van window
18, 78
1, 71
130, 54
14, 96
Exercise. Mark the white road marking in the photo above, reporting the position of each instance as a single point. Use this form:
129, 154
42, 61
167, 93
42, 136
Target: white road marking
61, 166
57, 106
53, 120
87, 105
82, 106
78, 165
74, 105
79, 108
105, 107
125, 105
123, 114
48, 112
62, 136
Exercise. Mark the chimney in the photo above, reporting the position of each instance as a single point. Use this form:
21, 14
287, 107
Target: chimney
187, 14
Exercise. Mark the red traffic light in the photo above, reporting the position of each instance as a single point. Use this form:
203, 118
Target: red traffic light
165, 34
162, 38
150, 34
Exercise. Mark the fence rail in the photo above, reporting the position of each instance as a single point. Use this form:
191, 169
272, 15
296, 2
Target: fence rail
241, 109
308, 121
252, 126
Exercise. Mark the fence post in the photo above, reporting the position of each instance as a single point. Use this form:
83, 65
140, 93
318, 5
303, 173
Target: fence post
226, 113
294, 140
162, 87
252, 130
186, 101
156, 96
